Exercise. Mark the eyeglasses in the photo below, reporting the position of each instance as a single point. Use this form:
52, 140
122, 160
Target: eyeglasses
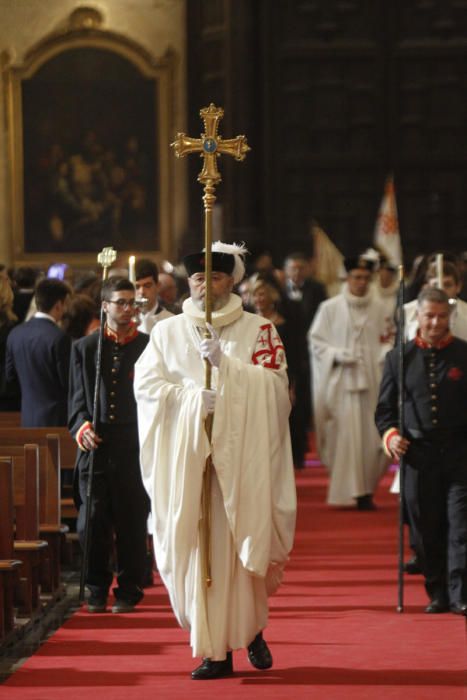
124, 303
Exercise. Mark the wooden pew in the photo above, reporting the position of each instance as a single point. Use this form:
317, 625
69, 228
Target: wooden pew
8, 418
9, 566
27, 546
20, 436
68, 450
51, 528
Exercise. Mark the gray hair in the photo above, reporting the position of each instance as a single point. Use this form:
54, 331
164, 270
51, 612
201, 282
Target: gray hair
434, 295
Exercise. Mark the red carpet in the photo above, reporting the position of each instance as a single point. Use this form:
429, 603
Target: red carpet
334, 631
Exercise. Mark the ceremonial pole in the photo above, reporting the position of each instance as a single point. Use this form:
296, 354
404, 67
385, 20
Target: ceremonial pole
209, 146
400, 349
439, 270
105, 258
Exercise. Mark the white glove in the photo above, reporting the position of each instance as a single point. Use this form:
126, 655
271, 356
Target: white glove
345, 357
210, 348
209, 400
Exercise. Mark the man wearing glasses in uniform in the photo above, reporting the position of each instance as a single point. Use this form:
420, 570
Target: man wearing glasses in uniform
120, 506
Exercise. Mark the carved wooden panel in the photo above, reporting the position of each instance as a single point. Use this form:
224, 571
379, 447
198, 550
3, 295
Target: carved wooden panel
333, 96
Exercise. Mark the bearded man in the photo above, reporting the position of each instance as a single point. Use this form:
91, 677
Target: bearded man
252, 488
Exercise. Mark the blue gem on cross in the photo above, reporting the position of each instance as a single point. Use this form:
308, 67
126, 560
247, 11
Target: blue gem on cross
210, 145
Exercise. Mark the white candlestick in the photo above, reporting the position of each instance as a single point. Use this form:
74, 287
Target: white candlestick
131, 269
439, 270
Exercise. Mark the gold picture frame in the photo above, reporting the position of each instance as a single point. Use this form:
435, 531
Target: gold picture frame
87, 167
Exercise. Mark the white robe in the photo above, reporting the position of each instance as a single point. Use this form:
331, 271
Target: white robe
345, 395
148, 320
388, 298
253, 487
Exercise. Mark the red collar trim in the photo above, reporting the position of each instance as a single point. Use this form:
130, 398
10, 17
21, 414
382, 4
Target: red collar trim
420, 343
112, 335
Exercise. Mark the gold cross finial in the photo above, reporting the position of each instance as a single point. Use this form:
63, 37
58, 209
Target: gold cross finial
210, 145
106, 257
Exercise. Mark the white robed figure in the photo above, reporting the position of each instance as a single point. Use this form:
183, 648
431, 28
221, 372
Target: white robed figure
253, 498
348, 341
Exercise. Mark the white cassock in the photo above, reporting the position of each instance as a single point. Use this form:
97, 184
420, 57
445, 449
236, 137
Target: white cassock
253, 486
348, 341
457, 321
388, 298
148, 320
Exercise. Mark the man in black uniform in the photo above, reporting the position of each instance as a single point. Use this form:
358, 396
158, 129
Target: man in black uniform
435, 448
120, 505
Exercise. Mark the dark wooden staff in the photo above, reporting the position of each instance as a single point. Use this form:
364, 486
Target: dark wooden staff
105, 258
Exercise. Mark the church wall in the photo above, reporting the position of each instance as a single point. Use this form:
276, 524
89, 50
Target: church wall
334, 96
155, 25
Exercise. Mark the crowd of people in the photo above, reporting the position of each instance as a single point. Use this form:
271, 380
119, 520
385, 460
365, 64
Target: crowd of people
283, 359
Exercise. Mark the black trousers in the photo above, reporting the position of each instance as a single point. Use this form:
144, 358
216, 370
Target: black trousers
119, 512
436, 498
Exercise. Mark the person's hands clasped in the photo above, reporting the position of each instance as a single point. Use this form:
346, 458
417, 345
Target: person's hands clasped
345, 357
210, 348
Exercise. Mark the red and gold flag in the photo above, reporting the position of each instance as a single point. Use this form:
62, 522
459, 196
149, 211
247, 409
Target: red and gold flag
386, 235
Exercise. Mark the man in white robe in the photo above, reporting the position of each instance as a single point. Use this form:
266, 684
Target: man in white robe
253, 498
348, 341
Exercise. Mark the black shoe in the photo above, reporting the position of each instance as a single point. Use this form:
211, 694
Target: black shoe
122, 606
259, 654
209, 670
97, 605
459, 608
412, 566
437, 606
365, 502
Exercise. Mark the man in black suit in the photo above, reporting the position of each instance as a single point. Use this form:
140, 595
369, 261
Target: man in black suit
38, 357
435, 448
120, 505
301, 287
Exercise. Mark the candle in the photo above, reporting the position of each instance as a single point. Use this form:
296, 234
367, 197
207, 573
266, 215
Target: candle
439, 270
131, 269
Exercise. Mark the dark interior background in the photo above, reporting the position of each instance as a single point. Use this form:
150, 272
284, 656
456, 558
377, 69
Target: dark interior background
334, 95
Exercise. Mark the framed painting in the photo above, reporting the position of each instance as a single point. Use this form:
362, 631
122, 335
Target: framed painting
89, 140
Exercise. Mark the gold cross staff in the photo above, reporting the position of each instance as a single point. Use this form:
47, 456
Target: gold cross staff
210, 146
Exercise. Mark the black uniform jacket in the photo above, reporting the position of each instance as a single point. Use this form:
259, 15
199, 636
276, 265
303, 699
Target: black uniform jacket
435, 390
116, 403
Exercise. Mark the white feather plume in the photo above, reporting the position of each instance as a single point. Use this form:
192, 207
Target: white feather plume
238, 250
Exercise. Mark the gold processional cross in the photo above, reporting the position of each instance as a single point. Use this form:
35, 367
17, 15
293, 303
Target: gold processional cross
210, 146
